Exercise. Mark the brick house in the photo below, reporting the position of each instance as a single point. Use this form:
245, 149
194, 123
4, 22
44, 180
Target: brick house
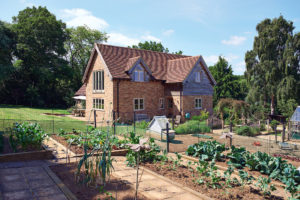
127, 80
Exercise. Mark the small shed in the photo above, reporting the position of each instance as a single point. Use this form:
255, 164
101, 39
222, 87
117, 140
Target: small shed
295, 124
158, 126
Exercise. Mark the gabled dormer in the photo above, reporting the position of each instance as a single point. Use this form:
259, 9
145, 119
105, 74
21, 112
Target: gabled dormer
138, 70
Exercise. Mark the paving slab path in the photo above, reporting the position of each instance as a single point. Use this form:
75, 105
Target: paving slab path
151, 185
26, 181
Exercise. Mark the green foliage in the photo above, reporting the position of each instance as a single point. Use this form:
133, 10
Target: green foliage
78, 46
27, 135
288, 107
272, 65
203, 116
263, 185
208, 150
228, 85
247, 131
142, 124
192, 126
96, 166
274, 123
145, 155
245, 178
154, 46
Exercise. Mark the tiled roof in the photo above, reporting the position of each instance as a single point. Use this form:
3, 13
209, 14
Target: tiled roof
178, 69
81, 91
116, 59
164, 66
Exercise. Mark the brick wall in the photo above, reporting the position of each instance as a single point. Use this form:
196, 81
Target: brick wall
107, 95
189, 104
149, 91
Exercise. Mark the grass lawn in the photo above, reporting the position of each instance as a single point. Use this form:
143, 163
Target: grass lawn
9, 114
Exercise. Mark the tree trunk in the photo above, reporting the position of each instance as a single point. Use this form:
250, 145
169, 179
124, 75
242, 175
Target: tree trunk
272, 105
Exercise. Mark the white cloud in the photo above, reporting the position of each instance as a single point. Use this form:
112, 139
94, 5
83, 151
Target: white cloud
239, 68
120, 39
211, 60
234, 40
27, 3
79, 17
148, 37
231, 57
168, 32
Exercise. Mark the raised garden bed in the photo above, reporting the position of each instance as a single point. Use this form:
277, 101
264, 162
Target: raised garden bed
115, 186
187, 177
31, 153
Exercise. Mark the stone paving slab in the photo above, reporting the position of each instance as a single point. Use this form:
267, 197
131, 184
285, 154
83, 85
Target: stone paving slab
153, 187
28, 182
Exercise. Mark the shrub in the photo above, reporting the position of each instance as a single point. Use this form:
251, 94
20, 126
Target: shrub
196, 117
192, 126
262, 127
141, 124
26, 135
247, 131
274, 124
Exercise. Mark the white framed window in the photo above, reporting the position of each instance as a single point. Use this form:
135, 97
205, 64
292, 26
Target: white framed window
138, 104
98, 104
198, 103
98, 81
161, 103
198, 77
139, 75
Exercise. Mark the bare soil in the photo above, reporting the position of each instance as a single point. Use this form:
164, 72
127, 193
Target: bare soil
115, 186
188, 178
8, 149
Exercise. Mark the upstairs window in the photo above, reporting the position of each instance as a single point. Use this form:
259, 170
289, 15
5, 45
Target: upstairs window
198, 103
198, 77
98, 81
98, 104
139, 75
161, 103
138, 104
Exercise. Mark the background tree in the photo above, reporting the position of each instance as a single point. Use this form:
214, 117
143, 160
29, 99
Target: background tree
78, 46
40, 45
154, 46
7, 46
228, 85
271, 66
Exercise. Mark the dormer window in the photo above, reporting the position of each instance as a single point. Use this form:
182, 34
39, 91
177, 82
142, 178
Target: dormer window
198, 77
139, 74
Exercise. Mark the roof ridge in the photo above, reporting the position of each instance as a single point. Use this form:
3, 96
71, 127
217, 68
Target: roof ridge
189, 57
142, 50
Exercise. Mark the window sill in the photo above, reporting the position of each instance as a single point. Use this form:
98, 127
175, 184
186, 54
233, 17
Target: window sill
98, 109
138, 110
98, 92
198, 108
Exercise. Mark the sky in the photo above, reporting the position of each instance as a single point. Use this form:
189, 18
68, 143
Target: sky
210, 28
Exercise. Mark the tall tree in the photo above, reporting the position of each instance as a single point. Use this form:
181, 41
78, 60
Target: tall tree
154, 46
271, 64
40, 45
78, 46
227, 84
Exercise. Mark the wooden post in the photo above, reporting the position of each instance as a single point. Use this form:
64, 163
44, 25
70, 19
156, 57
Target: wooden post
268, 125
167, 126
283, 132
230, 129
134, 122
212, 125
114, 122
95, 119
275, 128
173, 122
